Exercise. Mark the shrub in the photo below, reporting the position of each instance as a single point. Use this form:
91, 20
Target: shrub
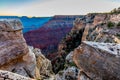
110, 24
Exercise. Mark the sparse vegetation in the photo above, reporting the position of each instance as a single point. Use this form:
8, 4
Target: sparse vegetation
72, 64
115, 11
110, 24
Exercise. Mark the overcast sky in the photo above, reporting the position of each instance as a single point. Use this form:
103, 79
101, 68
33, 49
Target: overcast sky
55, 7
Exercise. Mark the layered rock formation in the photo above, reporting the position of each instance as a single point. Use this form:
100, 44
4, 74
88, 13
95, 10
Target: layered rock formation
6, 75
17, 57
14, 54
100, 61
99, 27
43, 68
49, 35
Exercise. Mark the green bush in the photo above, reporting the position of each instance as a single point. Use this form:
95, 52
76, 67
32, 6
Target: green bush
110, 24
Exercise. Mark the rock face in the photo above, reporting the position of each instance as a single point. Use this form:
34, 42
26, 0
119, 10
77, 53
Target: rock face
15, 55
49, 35
71, 73
100, 61
11, 41
6, 75
92, 27
43, 65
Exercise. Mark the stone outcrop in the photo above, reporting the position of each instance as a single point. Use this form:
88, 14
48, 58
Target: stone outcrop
99, 18
99, 61
71, 73
50, 34
15, 56
6, 75
43, 65
115, 18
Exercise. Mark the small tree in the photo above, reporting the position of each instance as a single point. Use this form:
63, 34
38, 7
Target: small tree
110, 24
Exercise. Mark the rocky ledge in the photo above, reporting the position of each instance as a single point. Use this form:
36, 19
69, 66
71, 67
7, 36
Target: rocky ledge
6, 75
16, 57
99, 61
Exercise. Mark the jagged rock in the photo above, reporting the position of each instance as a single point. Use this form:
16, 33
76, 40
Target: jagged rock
50, 34
115, 18
6, 75
15, 56
99, 61
10, 25
71, 73
12, 44
78, 24
69, 57
99, 18
43, 65
83, 76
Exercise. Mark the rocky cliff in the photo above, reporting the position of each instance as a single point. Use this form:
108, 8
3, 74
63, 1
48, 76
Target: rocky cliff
17, 57
99, 61
96, 27
49, 35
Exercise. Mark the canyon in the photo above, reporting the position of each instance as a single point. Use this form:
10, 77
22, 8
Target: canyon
83, 47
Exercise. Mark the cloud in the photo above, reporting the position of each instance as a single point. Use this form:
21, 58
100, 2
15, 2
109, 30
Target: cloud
63, 7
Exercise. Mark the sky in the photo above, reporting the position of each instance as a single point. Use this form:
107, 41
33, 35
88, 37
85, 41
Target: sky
55, 7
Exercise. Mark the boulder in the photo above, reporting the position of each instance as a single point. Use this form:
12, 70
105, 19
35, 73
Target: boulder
43, 65
6, 75
71, 73
115, 18
99, 18
15, 56
99, 61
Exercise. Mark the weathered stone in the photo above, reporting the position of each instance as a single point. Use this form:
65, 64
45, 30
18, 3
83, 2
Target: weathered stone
99, 18
115, 18
83, 76
71, 73
43, 66
12, 44
15, 56
69, 57
100, 61
6, 75
10, 25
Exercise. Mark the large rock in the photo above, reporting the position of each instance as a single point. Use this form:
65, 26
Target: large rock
99, 61
6, 75
43, 65
15, 56
99, 18
71, 73
115, 18
12, 43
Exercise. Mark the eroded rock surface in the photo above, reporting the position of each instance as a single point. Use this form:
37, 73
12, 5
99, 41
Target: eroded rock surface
15, 56
43, 65
100, 61
6, 75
